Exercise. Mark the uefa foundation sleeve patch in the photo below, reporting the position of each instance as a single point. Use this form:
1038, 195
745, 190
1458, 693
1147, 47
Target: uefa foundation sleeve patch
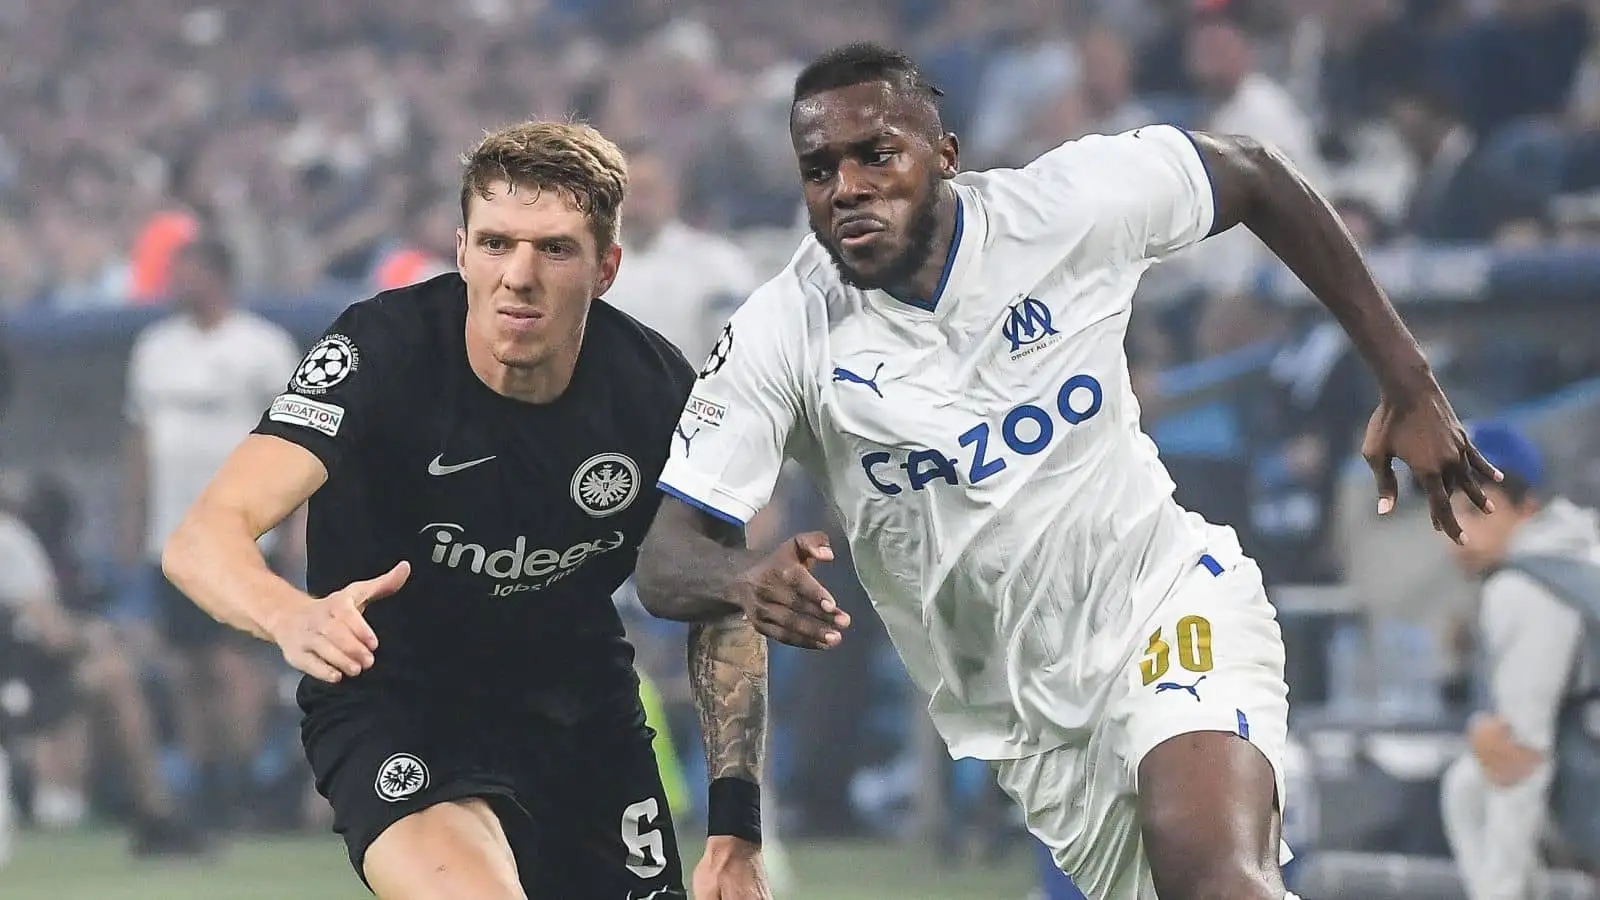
318, 416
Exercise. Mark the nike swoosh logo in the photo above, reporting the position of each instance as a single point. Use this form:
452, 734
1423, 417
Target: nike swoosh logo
437, 466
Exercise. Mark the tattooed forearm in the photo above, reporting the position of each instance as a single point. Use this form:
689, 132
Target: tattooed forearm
728, 676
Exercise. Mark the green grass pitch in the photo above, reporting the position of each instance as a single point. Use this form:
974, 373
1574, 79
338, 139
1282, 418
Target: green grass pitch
92, 865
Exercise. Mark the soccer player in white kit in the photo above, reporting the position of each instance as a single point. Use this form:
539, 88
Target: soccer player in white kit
945, 357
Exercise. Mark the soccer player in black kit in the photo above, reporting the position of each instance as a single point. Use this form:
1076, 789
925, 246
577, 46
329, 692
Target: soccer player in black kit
479, 453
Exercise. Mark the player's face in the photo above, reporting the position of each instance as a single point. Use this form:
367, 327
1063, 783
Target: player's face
1488, 535
531, 266
195, 286
871, 164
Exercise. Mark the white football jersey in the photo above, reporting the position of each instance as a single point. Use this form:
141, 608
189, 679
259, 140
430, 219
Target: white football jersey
1009, 519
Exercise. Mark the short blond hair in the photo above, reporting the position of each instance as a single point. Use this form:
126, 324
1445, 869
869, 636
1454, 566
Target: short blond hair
572, 158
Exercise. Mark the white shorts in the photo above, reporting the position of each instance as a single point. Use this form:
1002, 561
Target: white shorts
1211, 660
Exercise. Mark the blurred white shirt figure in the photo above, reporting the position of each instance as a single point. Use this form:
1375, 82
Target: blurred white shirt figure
677, 279
197, 383
1243, 101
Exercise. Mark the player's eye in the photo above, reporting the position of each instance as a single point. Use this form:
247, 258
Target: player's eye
559, 249
817, 174
495, 244
881, 157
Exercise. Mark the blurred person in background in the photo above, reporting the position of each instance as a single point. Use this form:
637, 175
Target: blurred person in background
1516, 66
1307, 424
1459, 195
679, 280
423, 250
197, 382
1107, 85
1496, 799
1036, 68
1239, 98
62, 672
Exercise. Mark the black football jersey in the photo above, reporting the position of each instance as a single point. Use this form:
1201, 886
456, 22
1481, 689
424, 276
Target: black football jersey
519, 519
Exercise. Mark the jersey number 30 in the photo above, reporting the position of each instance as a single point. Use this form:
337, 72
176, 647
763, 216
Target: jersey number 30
1194, 649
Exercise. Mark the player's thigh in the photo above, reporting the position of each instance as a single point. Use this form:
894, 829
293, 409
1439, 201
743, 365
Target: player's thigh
457, 848
1204, 724
380, 763
604, 818
1078, 801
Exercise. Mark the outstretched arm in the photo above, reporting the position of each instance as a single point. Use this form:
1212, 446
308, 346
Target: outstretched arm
689, 562
694, 567
728, 679
1257, 187
686, 570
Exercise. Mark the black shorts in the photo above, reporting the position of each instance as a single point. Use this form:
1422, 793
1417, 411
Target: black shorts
582, 806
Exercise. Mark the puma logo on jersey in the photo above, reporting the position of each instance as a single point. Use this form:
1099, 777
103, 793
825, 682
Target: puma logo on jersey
840, 373
436, 466
1193, 689
686, 437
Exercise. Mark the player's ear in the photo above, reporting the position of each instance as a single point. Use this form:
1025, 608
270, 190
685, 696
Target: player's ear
461, 248
949, 155
610, 262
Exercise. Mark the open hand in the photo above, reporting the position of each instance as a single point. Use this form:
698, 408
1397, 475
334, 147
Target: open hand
785, 602
1423, 432
329, 638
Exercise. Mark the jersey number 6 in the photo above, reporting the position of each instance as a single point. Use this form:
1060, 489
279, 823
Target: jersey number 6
1194, 649
647, 850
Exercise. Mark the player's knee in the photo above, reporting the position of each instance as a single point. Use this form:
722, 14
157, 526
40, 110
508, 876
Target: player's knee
446, 851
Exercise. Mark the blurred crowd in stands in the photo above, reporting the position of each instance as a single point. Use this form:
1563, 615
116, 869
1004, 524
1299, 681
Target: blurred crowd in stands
321, 138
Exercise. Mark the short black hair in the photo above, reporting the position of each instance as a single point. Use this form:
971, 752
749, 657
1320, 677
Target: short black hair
212, 253
861, 63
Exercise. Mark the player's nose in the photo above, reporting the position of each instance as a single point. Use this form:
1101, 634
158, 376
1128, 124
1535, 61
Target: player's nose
521, 272
852, 185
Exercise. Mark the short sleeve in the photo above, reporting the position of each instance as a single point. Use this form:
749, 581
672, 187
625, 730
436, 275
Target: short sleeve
26, 575
335, 394
1142, 194
730, 442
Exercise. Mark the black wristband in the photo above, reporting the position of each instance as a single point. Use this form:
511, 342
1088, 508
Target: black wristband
733, 808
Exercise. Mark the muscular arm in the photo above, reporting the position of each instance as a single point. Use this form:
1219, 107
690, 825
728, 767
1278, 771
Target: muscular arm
728, 677
686, 569
213, 556
1259, 188
688, 564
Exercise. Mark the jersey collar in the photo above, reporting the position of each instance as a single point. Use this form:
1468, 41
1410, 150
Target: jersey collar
958, 262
